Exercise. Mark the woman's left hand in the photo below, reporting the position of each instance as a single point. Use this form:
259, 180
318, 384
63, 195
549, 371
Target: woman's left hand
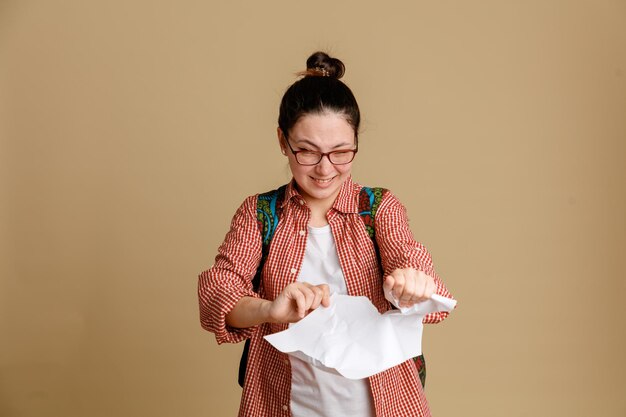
410, 286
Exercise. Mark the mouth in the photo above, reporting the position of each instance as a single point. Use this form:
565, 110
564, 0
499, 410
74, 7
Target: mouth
323, 180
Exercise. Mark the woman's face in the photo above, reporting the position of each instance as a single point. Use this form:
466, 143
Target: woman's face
325, 132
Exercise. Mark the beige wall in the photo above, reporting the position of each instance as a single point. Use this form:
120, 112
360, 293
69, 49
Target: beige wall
131, 130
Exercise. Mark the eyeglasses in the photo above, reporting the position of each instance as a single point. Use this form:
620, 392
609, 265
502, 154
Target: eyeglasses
308, 158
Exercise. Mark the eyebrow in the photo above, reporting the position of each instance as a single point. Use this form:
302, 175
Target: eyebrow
301, 142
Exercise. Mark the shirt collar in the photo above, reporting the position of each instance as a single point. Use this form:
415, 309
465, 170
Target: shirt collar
346, 201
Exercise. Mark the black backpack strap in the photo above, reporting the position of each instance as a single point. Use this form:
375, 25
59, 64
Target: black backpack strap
268, 210
369, 200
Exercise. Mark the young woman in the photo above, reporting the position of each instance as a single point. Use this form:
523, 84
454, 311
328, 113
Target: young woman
320, 246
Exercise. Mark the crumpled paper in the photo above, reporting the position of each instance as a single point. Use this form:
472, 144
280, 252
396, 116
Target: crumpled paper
352, 338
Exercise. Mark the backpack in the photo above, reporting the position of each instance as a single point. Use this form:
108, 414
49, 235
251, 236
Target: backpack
268, 213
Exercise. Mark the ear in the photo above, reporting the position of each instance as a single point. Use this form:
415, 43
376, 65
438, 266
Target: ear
281, 140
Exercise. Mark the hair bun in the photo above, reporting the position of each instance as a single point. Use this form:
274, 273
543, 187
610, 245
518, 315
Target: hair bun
320, 64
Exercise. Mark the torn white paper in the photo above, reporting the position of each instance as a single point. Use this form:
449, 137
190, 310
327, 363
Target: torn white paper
353, 338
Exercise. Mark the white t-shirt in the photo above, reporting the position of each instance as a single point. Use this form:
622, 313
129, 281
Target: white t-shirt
316, 392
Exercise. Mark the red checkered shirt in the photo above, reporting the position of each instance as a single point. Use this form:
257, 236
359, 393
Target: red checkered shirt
396, 391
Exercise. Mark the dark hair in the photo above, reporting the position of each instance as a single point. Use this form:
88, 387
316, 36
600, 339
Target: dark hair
318, 91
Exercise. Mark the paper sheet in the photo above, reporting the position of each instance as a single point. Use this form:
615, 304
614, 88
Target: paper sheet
354, 339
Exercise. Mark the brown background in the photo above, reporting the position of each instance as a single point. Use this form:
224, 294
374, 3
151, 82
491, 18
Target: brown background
131, 130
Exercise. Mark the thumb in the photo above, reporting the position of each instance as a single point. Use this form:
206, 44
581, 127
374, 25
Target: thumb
388, 284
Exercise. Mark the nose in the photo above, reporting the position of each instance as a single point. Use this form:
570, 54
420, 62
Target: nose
325, 165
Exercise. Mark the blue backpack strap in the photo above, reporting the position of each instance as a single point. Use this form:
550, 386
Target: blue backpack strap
369, 200
268, 209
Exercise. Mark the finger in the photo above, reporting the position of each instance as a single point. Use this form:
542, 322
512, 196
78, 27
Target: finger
388, 284
317, 298
416, 299
420, 285
300, 300
425, 287
323, 295
431, 287
309, 296
326, 294
399, 282
410, 286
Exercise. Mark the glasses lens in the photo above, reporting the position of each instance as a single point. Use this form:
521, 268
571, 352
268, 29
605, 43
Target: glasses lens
308, 157
341, 157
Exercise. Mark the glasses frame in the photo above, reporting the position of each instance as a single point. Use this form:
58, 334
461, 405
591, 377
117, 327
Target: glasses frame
323, 154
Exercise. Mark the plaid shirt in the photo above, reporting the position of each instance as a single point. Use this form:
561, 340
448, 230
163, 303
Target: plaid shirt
396, 391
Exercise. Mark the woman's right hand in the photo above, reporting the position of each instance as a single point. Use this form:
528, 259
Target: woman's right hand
297, 300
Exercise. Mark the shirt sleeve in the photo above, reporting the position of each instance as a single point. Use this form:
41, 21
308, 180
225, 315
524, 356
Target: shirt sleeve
230, 278
399, 249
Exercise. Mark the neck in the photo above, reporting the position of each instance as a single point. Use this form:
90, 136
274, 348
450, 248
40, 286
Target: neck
319, 209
